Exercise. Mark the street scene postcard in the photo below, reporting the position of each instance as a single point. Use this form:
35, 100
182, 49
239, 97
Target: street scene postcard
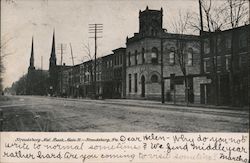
110, 81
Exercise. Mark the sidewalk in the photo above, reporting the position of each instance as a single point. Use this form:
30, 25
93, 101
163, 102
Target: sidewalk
179, 104
147, 104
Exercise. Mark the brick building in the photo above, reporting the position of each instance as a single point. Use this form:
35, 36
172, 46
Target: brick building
226, 62
119, 70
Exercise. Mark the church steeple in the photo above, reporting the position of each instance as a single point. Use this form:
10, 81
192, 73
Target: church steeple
53, 52
32, 67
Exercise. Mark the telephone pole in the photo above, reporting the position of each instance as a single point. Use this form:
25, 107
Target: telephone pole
95, 28
62, 49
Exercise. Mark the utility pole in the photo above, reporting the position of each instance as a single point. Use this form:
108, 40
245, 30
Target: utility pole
95, 28
71, 52
62, 49
201, 38
162, 79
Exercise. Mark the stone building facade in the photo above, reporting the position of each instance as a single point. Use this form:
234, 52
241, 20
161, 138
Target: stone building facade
143, 57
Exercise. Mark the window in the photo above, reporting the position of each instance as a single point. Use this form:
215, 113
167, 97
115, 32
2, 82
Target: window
218, 63
136, 82
136, 59
228, 62
154, 78
129, 61
206, 46
120, 56
228, 42
206, 65
107, 64
172, 56
152, 32
129, 82
243, 40
219, 44
143, 55
190, 57
111, 63
154, 55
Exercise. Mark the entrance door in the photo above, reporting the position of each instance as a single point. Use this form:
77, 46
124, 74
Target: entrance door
206, 94
142, 86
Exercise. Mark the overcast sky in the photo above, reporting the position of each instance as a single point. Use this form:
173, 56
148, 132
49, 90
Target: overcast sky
26, 18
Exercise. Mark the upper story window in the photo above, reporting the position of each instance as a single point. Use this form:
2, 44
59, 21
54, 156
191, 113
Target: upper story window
120, 56
206, 46
219, 43
172, 56
190, 57
206, 65
129, 61
143, 55
107, 64
228, 62
154, 55
136, 57
243, 40
228, 42
218, 63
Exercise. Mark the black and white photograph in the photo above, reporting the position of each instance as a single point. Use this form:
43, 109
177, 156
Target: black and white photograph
125, 66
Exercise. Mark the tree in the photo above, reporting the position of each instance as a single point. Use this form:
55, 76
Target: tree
181, 26
3, 55
90, 66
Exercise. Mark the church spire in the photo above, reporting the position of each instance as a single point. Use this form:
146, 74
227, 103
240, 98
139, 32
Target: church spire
31, 67
53, 51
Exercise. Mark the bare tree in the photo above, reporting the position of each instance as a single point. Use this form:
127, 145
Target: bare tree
87, 51
181, 26
3, 55
236, 12
218, 15
86, 48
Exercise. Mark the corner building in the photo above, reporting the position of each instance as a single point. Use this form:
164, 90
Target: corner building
143, 61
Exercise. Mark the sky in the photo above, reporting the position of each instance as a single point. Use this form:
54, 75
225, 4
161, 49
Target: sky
22, 19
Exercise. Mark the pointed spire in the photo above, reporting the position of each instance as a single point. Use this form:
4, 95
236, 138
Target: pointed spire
32, 56
53, 43
53, 52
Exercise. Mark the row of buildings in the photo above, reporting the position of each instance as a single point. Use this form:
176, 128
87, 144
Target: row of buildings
212, 68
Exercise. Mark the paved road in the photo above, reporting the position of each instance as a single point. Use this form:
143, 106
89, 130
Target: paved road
30, 113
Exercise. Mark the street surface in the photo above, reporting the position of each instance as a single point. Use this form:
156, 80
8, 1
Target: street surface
32, 113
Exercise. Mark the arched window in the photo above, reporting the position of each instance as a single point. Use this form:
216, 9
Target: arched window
154, 55
190, 57
143, 55
154, 78
136, 58
172, 56
129, 61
